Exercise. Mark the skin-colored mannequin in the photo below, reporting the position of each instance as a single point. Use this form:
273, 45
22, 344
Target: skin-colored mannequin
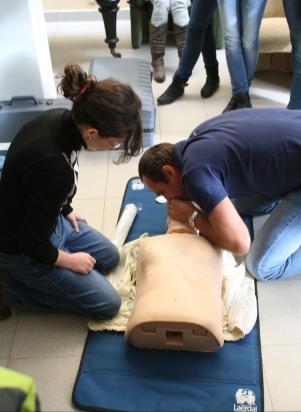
223, 227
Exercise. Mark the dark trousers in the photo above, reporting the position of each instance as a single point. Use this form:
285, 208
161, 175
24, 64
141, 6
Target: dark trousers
199, 38
293, 15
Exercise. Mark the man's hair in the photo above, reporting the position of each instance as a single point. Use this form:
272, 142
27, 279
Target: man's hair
153, 160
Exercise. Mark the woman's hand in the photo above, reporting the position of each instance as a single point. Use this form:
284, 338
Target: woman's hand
73, 217
180, 210
80, 262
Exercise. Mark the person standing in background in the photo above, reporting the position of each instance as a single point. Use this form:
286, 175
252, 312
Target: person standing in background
199, 38
241, 21
158, 31
292, 10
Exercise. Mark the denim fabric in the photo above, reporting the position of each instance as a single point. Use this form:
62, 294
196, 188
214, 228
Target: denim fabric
241, 20
199, 37
293, 14
276, 250
43, 286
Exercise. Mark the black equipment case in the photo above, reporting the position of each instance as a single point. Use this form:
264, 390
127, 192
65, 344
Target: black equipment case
20, 110
136, 73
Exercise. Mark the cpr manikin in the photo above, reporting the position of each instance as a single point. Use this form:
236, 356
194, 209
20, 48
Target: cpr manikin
178, 299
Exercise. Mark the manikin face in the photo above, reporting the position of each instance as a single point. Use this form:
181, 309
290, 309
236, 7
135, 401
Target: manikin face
174, 189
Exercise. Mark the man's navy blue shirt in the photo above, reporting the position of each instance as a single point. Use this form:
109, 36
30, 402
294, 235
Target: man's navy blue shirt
242, 153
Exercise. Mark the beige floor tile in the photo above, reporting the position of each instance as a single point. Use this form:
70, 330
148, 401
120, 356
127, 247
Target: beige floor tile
8, 329
282, 365
54, 379
93, 158
268, 406
280, 312
91, 209
49, 335
214, 107
92, 181
3, 362
111, 213
174, 137
118, 175
181, 120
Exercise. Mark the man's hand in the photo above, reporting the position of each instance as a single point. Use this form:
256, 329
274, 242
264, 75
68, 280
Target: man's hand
73, 217
180, 210
80, 262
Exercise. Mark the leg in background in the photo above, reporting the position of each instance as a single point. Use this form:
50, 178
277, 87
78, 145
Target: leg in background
180, 18
211, 63
201, 15
251, 16
293, 14
157, 37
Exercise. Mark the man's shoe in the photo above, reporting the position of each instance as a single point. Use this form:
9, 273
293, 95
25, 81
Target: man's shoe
173, 92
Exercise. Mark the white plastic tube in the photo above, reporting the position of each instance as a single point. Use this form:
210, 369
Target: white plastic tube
125, 223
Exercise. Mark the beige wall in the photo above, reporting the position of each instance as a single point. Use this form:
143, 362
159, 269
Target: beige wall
68, 4
74, 4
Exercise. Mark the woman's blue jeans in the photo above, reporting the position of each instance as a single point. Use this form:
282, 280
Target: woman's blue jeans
241, 20
199, 38
276, 249
293, 14
43, 286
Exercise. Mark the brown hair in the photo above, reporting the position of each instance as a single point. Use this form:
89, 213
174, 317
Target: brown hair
111, 107
153, 160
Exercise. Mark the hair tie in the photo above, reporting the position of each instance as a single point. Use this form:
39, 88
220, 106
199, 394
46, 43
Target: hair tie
83, 89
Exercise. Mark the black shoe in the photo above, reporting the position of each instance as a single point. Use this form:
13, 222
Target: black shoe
243, 101
212, 82
239, 101
232, 105
210, 86
5, 311
173, 92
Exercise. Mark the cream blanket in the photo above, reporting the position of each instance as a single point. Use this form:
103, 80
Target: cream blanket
238, 293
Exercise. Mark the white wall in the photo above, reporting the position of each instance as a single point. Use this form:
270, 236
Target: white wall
25, 63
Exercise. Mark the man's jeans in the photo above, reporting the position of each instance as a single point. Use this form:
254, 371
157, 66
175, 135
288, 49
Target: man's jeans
293, 14
241, 20
43, 286
276, 250
199, 38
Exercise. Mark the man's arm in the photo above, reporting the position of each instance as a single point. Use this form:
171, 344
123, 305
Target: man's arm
223, 227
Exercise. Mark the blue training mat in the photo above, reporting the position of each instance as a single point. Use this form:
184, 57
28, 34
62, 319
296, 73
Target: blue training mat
116, 376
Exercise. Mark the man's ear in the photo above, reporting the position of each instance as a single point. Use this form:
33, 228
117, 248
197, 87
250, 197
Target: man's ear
168, 171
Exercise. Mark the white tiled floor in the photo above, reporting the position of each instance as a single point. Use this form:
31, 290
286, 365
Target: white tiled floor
49, 346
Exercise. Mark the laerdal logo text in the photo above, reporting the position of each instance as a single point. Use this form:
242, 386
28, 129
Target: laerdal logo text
245, 401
